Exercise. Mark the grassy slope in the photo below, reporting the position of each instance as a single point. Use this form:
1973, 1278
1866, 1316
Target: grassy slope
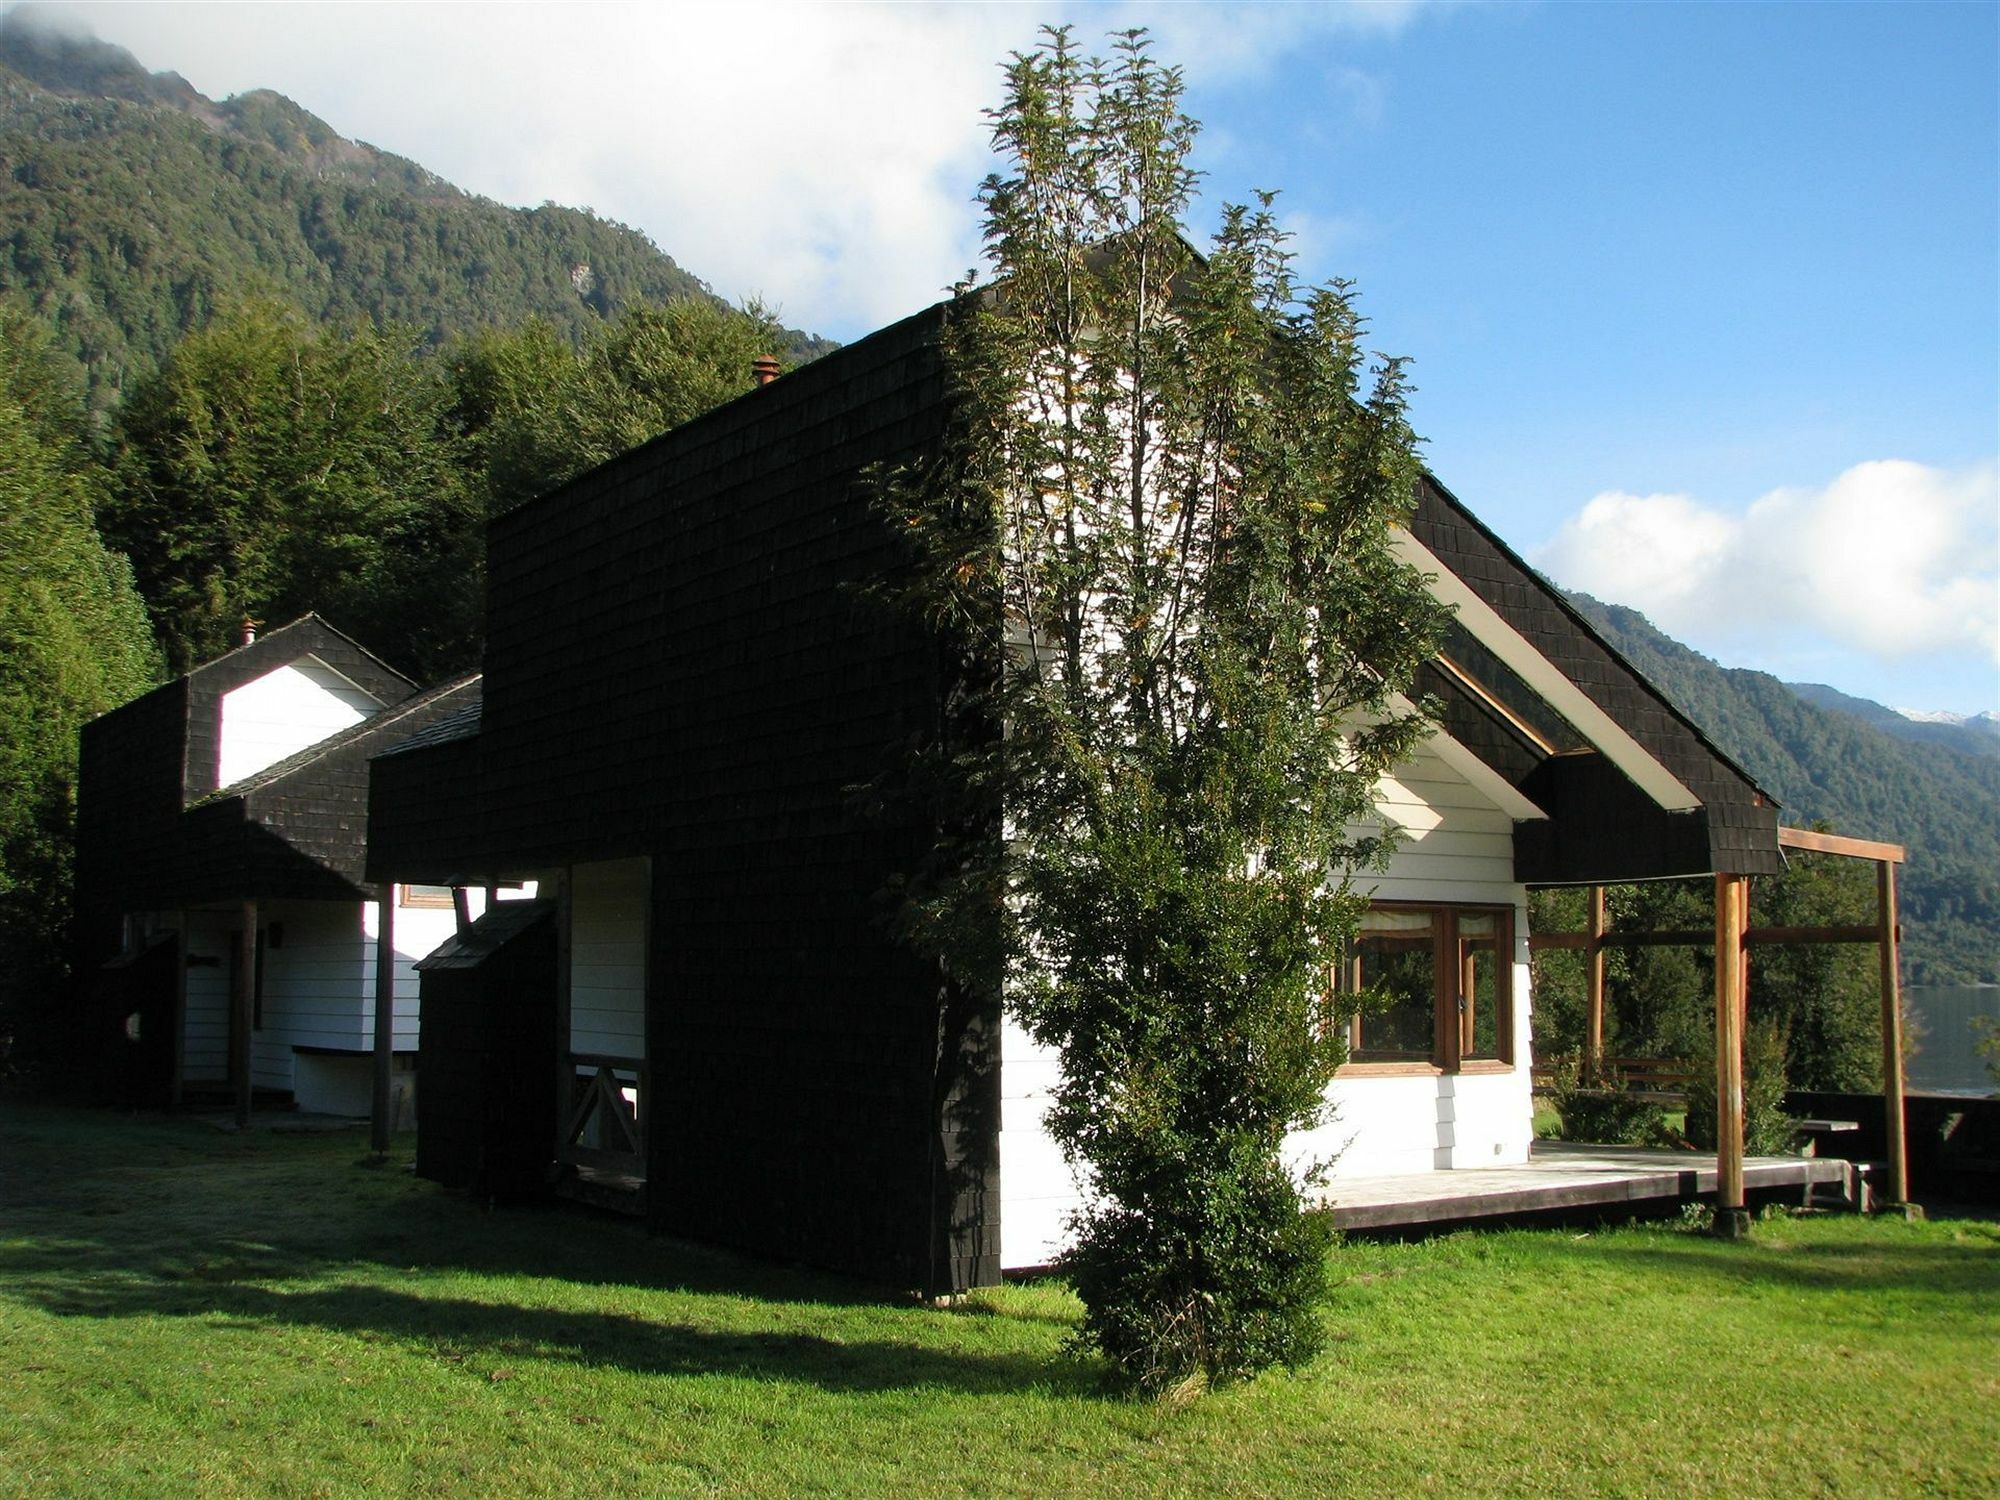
183, 1311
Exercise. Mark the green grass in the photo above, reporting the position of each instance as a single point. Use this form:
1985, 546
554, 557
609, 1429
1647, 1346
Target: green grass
187, 1312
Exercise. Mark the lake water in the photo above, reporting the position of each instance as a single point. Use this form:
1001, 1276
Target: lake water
1945, 1062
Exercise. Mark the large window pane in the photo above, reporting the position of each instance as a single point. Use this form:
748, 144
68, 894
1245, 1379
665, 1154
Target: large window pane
1398, 966
1439, 986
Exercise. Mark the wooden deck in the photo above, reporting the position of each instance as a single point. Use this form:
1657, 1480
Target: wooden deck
1563, 1177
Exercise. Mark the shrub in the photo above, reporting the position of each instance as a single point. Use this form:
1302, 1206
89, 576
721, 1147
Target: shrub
1603, 1109
1767, 1129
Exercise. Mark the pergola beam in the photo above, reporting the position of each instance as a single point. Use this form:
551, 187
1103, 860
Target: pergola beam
1754, 937
1834, 843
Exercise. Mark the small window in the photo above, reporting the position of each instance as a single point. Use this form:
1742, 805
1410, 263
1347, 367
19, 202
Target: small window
1440, 987
425, 897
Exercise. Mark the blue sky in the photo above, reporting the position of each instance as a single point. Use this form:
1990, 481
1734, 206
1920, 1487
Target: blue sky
1704, 300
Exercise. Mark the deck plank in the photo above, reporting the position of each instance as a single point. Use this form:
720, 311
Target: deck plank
1561, 1175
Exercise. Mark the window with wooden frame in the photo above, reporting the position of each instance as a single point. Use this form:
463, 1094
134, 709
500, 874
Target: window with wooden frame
425, 897
1442, 985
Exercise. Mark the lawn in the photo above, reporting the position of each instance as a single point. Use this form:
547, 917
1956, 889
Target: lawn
184, 1311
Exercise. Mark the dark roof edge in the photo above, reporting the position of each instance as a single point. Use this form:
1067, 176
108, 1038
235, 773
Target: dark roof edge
454, 728
1590, 631
310, 617
263, 642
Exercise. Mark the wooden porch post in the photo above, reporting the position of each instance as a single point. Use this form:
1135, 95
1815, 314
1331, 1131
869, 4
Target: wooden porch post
565, 1068
1593, 1016
243, 1012
385, 1019
178, 1088
1732, 1221
1892, 1032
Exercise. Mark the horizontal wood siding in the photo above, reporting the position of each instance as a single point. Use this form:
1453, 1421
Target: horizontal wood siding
607, 953
1454, 845
1458, 847
206, 1022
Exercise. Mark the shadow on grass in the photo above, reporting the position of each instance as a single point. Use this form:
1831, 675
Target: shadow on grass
180, 1222
483, 1335
1946, 1273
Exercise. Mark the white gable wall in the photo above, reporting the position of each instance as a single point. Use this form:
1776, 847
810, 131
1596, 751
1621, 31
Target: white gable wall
281, 713
1458, 848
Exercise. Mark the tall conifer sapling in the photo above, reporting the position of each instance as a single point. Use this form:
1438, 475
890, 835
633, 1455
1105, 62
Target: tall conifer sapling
1157, 539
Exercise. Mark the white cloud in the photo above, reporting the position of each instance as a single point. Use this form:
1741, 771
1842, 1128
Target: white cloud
823, 156
1892, 560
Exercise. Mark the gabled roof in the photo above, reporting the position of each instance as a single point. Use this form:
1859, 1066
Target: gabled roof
668, 598
1634, 789
413, 717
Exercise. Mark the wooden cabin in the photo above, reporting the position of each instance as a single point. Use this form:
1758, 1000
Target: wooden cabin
684, 682
233, 800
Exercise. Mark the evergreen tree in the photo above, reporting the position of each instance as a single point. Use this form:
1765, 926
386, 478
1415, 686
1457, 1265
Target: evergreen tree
540, 412
271, 468
73, 643
1158, 538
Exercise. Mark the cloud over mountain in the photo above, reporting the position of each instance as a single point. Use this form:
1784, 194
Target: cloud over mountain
1891, 559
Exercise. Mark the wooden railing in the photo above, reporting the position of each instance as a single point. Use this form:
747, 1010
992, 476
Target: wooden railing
601, 1127
1664, 1077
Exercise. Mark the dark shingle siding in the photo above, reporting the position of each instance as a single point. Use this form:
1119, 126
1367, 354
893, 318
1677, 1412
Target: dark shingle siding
295, 829
129, 798
681, 663
1737, 823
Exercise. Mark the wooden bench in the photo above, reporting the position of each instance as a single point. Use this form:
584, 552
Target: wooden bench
1656, 1080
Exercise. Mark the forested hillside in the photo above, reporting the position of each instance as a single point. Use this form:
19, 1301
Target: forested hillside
1978, 735
132, 208
1822, 763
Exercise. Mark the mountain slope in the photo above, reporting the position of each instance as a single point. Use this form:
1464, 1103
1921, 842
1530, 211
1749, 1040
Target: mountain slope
1823, 763
131, 206
1979, 735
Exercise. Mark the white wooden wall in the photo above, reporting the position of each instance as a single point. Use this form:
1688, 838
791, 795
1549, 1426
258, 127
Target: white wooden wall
607, 957
319, 991
281, 713
1458, 847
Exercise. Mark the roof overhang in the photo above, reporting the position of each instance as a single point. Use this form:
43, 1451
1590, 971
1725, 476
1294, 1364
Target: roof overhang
1659, 784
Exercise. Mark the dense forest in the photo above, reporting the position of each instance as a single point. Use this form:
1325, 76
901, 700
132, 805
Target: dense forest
249, 369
